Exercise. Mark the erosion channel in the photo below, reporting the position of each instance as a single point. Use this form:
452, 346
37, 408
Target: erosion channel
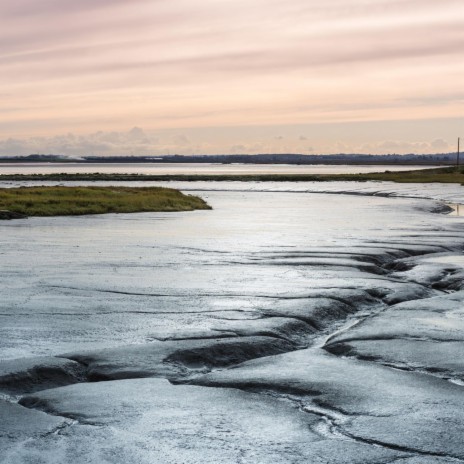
280, 327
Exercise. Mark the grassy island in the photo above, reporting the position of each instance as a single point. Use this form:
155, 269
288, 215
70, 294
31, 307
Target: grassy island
72, 201
445, 175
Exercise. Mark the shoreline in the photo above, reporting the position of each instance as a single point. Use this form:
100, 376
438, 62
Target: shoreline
443, 175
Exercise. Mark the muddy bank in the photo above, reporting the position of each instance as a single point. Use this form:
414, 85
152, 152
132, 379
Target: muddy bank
265, 340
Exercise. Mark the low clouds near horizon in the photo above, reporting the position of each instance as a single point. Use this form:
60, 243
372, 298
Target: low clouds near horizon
192, 68
138, 142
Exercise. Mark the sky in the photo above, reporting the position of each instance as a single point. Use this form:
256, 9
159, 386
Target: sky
142, 77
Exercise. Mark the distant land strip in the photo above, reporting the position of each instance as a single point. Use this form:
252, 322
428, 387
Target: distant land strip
269, 158
444, 175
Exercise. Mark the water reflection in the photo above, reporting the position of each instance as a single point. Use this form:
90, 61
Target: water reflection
194, 168
458, 209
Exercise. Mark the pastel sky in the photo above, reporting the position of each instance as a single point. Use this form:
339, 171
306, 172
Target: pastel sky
231, 76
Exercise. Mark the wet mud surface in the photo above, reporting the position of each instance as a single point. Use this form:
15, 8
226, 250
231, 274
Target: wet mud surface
286, 327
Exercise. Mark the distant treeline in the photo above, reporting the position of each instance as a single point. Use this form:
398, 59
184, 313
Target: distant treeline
290, 158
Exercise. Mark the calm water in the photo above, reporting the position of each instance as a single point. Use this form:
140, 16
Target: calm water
192, 168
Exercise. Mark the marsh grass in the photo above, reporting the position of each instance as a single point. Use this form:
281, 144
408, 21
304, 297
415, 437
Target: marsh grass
72, 201
445, 175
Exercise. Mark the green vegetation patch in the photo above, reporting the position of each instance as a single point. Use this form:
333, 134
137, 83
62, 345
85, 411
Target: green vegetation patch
72, 201
445, 175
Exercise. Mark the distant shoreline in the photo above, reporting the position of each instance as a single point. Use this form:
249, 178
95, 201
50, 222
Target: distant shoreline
297, 159
445, 175
383, 162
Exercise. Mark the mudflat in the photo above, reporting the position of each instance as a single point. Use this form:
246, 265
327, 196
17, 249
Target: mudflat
281, 326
